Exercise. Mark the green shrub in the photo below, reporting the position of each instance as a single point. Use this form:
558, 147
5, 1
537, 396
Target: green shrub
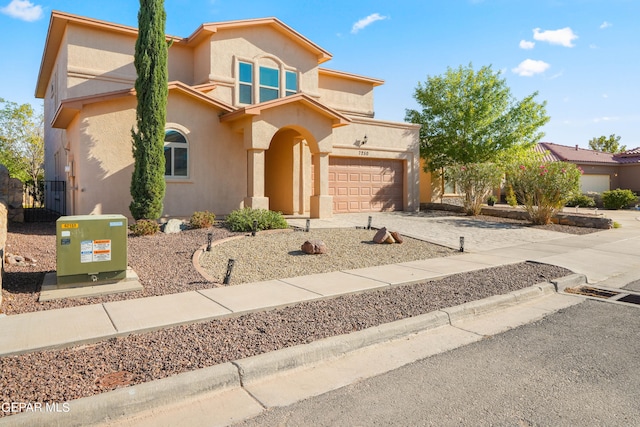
242, 219
202, 219
511, 198
476, 181
618, 199
144, 227
543, 188
581, 200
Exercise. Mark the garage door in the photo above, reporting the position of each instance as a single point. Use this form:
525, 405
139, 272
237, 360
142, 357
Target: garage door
595, 183
365, 185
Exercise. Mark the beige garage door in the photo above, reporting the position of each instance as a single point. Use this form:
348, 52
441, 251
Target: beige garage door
365, 185
595, 183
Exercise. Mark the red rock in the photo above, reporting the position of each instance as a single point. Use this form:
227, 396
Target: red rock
381, 236
397, 237
314, 247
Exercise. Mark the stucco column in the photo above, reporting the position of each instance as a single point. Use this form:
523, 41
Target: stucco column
321, 201
255, 180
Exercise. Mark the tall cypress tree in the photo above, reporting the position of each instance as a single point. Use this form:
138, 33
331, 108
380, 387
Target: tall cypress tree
147, 182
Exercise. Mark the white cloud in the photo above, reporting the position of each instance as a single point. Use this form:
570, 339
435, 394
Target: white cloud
563, 36
23, 9
525, 44
605, 24
606, 119
593, 46
365, 22
529, 67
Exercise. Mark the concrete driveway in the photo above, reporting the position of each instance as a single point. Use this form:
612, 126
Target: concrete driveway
611, 255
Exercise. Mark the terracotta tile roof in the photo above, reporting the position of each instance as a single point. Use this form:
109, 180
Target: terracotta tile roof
549, 156
629, 156
576, 154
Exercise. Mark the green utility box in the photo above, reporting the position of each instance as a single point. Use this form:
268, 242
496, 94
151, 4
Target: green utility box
91, 248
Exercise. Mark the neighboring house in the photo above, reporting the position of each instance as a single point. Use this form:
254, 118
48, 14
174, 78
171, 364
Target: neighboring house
252, 120
602, 171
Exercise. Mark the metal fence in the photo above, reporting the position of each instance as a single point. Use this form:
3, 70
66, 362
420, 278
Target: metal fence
44, 202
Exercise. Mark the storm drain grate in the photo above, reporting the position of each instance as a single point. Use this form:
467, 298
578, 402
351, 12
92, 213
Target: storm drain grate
605, 294
592, 292
631, 298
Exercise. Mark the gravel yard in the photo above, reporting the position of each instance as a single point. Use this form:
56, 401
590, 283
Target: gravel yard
164, 265
276, 255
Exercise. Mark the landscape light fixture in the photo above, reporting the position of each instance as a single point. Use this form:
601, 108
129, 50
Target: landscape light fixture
308, 226
209, 240
461, 243
255, 228
369, 223
227, 277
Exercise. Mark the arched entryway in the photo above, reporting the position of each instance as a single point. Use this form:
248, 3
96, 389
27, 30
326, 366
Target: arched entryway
288, 180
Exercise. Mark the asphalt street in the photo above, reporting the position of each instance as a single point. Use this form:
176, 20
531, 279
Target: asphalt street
578, 366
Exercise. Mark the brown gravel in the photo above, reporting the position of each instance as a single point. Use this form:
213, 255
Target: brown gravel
62, 375
163, 263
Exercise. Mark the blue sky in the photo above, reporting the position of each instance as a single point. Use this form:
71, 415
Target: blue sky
582, 56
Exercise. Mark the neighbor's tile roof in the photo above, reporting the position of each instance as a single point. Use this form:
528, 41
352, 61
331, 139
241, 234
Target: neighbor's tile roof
575, 154
629, 156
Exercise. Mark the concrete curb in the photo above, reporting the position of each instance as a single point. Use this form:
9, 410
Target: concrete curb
130, 400
127, 401
568, 281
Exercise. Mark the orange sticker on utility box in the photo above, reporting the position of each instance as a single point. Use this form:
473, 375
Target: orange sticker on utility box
72, 225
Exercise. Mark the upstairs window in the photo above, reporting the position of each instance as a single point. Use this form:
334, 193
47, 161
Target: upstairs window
246, 83
176, 155
269, 84
291, 83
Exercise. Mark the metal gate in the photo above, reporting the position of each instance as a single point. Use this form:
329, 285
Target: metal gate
46, 203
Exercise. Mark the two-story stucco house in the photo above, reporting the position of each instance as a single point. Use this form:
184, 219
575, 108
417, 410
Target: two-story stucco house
252, 120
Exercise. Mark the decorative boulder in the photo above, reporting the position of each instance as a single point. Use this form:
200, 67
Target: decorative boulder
173, 226
381, 236
397, 237
314, 247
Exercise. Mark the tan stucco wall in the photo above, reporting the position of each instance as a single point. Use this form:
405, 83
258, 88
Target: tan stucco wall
346, 95
101, 62
279, 178
97, 63
217, 162
629, 177
103, 159
426, 184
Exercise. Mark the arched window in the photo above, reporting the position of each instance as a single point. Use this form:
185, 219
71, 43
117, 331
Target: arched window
176, 154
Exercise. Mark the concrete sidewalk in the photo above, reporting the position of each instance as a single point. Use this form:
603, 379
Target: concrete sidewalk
610, 258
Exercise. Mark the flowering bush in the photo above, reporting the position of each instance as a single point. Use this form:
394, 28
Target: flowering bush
475, 181
543, 188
